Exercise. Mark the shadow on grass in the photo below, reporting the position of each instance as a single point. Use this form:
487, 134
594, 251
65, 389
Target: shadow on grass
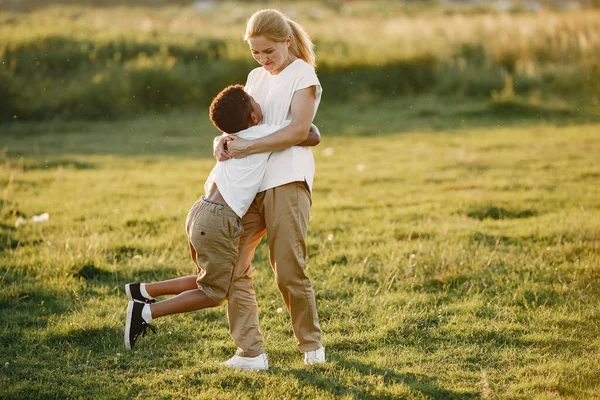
418, 383
29, 310
84, 338
31, 303
430, 335
497, 212
100, 277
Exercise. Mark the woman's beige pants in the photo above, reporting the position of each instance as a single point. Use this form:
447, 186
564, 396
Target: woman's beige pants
283, 213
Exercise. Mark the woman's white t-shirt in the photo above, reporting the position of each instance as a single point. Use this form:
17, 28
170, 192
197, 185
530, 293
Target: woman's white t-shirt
274, 94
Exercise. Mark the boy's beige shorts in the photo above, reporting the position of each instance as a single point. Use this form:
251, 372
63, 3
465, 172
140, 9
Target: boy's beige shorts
214, 232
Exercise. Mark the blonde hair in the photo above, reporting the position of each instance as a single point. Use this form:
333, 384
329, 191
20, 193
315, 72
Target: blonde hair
276, 26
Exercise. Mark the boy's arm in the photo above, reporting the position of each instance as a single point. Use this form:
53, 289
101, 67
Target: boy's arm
314, 137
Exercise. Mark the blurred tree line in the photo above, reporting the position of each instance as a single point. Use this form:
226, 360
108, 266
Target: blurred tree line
79, 73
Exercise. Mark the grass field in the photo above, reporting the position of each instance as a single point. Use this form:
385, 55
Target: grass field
454, 254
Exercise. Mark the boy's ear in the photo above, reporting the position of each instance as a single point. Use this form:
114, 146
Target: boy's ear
254, 118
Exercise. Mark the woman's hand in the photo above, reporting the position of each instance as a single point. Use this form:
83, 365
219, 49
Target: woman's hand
221, 147
239, 148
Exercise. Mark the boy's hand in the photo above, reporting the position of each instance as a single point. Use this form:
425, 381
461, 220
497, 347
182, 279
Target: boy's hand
220, 150
240, 148
313, 139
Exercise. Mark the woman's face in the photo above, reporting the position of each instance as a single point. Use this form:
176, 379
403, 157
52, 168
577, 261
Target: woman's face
273, 56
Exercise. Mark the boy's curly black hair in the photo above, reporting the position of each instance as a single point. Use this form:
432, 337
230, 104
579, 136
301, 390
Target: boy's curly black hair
230, 110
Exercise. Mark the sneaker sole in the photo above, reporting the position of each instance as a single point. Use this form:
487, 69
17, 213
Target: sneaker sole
246, 368
128, 325
128, 291
257, 367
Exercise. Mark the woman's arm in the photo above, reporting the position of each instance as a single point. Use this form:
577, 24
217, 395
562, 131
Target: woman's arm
220, 152
302, 110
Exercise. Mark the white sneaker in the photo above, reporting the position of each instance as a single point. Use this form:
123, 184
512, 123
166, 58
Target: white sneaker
258, 363
315, 356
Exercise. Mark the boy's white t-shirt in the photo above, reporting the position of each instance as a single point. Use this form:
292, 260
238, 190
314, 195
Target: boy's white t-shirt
274, 94
239, 179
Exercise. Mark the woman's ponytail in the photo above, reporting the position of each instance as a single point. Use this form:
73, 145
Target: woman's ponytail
302, 47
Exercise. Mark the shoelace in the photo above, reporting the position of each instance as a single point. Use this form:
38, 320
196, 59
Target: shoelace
146, 326
143, 333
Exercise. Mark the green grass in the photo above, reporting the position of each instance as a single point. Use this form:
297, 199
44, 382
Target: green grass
454, 254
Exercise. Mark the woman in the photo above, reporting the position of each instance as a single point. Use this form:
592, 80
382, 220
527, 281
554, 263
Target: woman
287, 88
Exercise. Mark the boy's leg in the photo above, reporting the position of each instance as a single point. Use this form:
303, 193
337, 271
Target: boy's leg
177, 285
287, 211
190, 300
242, 309
172, 286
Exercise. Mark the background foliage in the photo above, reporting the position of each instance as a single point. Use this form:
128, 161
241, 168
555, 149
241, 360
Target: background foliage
80, 62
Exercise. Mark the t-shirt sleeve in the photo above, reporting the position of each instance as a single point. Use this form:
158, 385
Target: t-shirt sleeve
307, 77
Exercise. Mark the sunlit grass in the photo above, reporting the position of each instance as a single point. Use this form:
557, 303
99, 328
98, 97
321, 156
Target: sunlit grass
447, 262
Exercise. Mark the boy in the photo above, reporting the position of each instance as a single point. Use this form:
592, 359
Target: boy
213, 224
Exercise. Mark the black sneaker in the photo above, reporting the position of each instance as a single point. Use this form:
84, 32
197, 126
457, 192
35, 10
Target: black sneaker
134, 293
135, 324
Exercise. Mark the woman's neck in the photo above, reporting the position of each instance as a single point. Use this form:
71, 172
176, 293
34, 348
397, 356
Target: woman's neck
290, 60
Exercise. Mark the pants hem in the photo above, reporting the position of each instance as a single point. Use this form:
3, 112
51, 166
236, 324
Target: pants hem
254, 353
310, 347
